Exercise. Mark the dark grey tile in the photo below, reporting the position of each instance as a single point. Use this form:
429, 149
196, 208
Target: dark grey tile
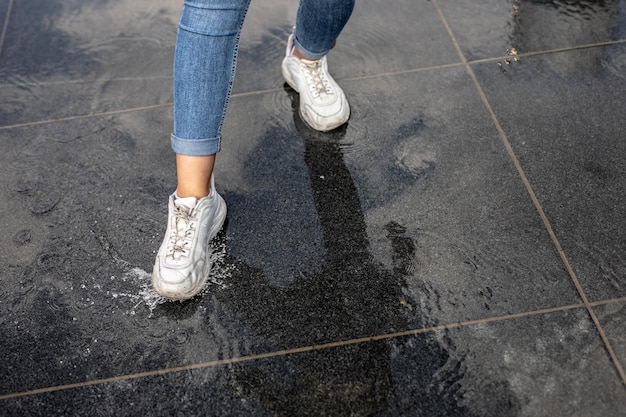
546, 365
489, 29
612, 318
68, 58
381, 38
542, 365
63, 266
52, 40
563, 114
33, 103
209, 392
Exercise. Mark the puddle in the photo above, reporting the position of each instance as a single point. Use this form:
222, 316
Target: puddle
562, 23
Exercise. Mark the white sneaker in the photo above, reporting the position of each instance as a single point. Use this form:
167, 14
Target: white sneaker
183, 262
323, 104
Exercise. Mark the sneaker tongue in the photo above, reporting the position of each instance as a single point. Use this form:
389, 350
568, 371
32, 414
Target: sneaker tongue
187, 202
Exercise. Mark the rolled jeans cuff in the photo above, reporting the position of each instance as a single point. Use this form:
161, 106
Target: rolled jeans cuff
308, 54
196, 147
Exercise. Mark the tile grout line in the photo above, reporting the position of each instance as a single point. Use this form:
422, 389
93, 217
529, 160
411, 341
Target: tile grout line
111, 112
5, 25
362, 77
549, 51
357, 78
85, 116
464, 63
304, 349
535, 200
483, 60
606, 302
293, 351
84, 81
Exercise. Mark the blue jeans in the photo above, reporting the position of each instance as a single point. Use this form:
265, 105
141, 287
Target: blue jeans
206, 56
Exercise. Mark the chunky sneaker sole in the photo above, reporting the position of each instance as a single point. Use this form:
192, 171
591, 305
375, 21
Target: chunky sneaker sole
323, 104
183, 263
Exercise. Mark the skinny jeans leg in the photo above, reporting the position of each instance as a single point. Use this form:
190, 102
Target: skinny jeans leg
204, 67
205, 59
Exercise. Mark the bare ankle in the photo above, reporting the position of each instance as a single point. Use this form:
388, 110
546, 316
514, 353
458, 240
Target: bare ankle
194, 175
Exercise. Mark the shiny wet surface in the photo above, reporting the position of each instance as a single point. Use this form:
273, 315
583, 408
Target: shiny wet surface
456, 250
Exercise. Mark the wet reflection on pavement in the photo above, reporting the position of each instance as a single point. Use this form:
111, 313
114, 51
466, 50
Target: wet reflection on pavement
455, 250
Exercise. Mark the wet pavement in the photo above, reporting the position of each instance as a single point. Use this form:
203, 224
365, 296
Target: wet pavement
458, 249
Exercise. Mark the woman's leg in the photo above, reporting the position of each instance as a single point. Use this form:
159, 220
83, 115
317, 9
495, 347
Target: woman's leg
204, 67
193, 175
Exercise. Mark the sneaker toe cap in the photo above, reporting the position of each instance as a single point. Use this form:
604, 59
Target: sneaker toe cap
176, 284
324, 119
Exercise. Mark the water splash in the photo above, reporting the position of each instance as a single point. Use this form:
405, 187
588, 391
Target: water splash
147, 297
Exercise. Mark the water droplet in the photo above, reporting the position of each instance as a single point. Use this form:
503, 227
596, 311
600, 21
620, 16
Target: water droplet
22, 237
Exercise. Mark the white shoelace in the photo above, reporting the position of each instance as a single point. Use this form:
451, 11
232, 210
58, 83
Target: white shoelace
182, 233
315, 77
